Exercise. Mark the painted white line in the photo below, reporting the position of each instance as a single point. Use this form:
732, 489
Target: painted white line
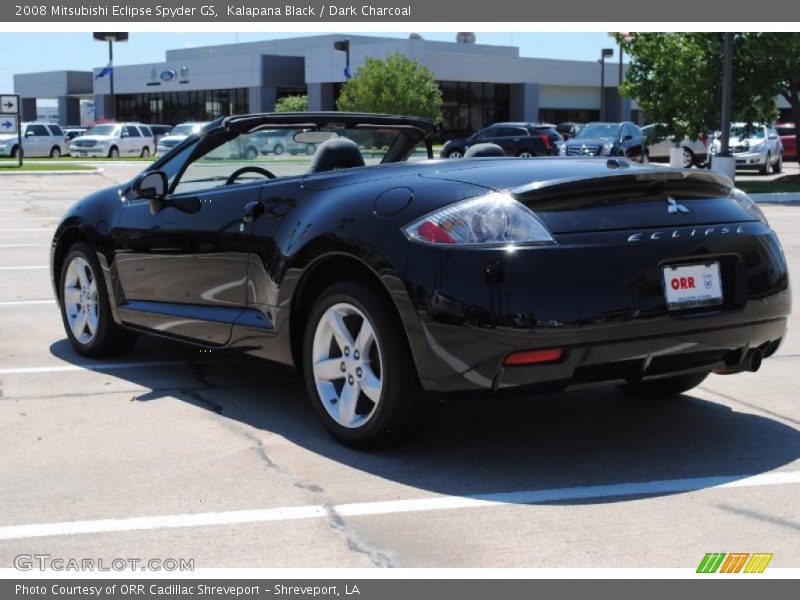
21, 245
24, 302
27, 229
95, 367
665, 486
24, 267
23, 217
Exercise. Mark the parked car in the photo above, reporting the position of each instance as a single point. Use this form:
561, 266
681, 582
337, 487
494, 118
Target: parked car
695, 152
159, 131
569, 129
114, 140
72, 132
382, 282
754, 147
608, 139
525, 140
177, 135
786, 132
38, 139
278, 141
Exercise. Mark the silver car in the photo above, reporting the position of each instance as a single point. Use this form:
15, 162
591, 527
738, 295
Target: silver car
758, 147
695, 152
38, 139
178, 134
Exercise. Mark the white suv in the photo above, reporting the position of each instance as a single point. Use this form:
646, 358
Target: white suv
759, 148
38, 139
177, 135
114, 140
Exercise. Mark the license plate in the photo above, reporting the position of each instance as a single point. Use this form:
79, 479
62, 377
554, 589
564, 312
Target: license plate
81, 153
692, 286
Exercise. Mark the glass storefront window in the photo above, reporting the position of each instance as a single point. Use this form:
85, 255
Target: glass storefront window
171, 108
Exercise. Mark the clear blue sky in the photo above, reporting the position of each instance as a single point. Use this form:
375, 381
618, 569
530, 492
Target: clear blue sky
31, 52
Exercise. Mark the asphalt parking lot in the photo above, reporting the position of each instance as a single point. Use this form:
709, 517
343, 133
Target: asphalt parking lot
171, 452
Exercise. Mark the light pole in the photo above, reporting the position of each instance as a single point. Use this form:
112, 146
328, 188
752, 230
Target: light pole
723, 161
111, 37
604, 54
344, 46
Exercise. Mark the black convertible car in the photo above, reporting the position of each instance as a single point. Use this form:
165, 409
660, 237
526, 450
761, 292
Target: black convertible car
381, 274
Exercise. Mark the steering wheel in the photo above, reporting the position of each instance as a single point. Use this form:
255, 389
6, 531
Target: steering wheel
249, 169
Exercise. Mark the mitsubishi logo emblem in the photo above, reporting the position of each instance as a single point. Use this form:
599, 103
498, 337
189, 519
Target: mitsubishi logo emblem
673, 207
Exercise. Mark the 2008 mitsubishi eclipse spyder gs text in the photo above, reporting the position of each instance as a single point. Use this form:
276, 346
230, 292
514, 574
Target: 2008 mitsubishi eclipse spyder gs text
383, 274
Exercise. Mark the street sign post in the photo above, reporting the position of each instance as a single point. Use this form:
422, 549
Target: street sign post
9, 124
9, 104
9, 120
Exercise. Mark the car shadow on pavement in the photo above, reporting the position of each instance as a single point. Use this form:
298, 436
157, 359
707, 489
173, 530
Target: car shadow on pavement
474, 446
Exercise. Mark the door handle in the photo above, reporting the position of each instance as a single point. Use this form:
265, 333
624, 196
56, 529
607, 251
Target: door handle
252, 210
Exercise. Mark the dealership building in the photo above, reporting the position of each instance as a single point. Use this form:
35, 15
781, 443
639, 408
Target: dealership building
481, 84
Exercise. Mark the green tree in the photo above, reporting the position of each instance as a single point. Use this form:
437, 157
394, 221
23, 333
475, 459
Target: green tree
292, 104
397, 85
775, 59
676, 78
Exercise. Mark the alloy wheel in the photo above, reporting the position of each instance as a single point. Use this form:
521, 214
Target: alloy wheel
81, 300
455, 154
525, 154
347, 365
688, 159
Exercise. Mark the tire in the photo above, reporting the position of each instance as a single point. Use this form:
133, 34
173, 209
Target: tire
778, 166
86, 295
526, 154
455, 154
767, 168
251, 153
310, 149
689, 159
278, 150
145, 152
55, 152
664, 388
15, 152
113, 152
645, 160
384, 414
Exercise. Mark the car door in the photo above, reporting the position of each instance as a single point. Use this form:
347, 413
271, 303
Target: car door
37, 138
131, 140
183, 270
57, 138
631, 142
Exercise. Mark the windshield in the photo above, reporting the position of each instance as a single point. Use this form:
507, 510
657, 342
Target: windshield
740, 132
187, 129
289, 152
598, 130
104, 130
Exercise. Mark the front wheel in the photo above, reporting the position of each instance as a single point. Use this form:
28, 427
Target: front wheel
778, 166
357, 367
526, 154
15, 152
114, 152
664, 388
85, 307
767, 168
688, 158
455, 154
278, 150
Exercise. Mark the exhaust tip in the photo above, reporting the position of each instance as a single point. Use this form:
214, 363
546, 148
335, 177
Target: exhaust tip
753, 360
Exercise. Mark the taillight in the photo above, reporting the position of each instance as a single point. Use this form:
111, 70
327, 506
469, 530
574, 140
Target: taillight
548, 143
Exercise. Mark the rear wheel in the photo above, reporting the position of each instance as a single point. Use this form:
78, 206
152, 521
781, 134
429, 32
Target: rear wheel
55, 152
455, 154
688, 158
145, 152
250, 152
85, 308
359, 373
310, 149
278, 150
664, 388
526, 154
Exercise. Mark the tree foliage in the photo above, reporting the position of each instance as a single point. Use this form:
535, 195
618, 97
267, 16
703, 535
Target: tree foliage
292, 104
676, 79
395, 86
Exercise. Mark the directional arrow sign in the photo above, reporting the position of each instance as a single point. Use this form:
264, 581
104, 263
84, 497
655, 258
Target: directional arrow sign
9, 104
8, 124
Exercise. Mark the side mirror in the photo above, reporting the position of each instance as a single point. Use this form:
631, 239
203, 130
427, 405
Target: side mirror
29, 133
772, 136
151, 185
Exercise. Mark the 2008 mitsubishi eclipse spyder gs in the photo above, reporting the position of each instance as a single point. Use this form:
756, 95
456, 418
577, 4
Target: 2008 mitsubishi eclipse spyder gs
382, 274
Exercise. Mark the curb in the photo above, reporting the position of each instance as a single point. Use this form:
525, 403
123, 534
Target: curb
4, 173
776, 198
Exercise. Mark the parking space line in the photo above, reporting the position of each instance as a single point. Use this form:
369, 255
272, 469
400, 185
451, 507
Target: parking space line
94, 367
27, 229
24, 267
287, 513
24, 302
22, 245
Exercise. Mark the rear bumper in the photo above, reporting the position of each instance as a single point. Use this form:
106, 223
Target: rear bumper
599, 298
